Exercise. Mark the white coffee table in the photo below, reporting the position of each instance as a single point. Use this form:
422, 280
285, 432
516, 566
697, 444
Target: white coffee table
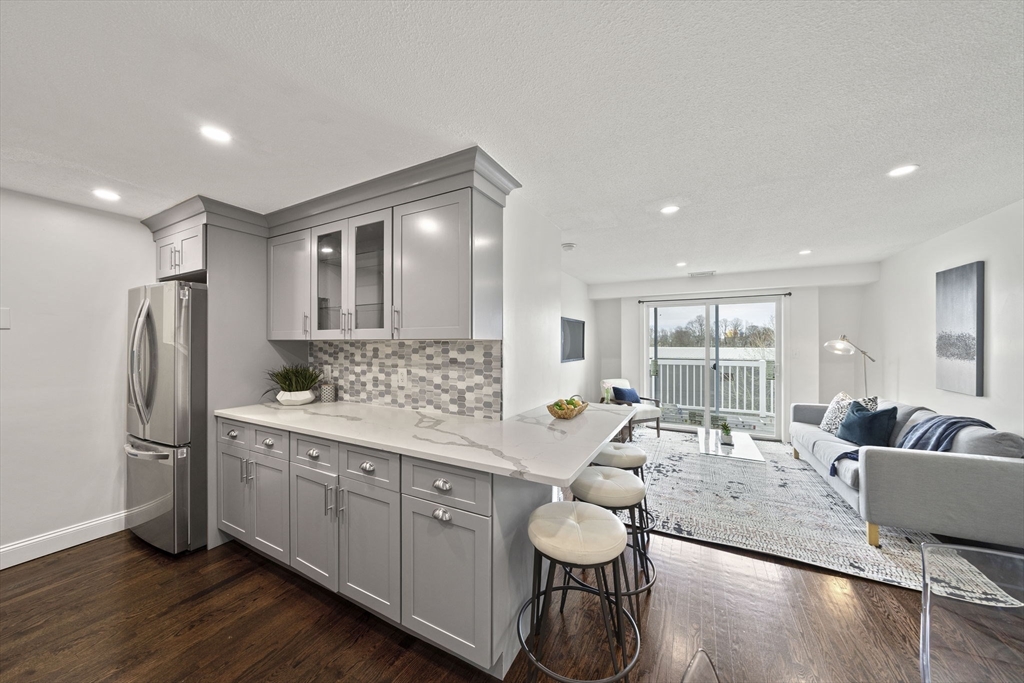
742, 448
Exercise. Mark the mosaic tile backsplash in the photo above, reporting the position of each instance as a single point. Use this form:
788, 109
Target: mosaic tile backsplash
461, 377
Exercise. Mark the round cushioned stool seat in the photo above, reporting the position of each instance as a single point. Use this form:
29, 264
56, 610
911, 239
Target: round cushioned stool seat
577, 533
609, 486
621, 455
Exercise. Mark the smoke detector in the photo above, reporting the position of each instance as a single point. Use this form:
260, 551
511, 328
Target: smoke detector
568, 246
703, 273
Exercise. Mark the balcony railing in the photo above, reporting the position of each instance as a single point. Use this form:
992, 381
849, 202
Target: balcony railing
746, 388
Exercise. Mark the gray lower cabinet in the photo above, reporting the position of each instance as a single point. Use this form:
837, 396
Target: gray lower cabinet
314, 525
369, 545
268, 499
252, 500
446, 577
233, 492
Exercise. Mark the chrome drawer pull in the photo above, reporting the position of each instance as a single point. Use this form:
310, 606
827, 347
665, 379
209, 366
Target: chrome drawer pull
313, 453
367, 467
442, 515
442, 484
268, 442
233, 434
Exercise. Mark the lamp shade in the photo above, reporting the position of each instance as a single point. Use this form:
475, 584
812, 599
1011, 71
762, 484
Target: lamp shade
841, 346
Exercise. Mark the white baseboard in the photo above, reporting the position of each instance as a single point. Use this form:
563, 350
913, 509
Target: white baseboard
61, 539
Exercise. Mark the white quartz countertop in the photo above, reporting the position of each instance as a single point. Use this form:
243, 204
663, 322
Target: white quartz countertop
533, 445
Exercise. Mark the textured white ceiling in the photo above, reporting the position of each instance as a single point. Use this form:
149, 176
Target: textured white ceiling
772, 123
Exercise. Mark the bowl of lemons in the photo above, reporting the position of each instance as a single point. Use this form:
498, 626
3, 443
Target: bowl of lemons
567, 408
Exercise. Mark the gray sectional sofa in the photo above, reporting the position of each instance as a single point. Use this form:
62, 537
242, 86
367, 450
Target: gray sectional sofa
975, 492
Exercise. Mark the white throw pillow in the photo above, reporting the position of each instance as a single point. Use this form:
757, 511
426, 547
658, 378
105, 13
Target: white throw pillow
838, 408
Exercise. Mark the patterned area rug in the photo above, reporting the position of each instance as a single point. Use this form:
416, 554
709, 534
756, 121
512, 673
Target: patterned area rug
780, 507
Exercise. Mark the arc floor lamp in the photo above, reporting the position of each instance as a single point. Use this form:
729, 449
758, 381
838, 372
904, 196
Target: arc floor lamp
845, 347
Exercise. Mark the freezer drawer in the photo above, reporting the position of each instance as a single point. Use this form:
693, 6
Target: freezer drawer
158, 494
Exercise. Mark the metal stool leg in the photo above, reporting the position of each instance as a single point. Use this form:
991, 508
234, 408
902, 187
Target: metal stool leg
548, 595
565, 582
622, 625
606, 616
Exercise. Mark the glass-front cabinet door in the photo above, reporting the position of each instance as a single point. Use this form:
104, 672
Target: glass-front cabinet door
329, 265
368, 283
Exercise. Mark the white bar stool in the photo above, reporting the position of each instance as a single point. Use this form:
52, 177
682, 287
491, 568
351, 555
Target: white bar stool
626, 456
615, 489
581, 536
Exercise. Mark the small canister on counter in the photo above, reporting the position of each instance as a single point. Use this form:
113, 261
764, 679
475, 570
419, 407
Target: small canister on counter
328, 392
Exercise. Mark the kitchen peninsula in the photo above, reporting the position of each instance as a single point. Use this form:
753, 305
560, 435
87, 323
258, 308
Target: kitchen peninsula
419, 516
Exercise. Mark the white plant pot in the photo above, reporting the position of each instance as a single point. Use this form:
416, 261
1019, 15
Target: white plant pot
726, 439
295, 398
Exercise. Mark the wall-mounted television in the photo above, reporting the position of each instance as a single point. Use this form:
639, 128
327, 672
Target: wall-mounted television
572, 340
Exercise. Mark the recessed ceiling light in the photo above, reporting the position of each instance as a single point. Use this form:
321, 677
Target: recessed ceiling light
680, 264
669, 209
903, 170
106, 194
326, 250
805, 252
215, 133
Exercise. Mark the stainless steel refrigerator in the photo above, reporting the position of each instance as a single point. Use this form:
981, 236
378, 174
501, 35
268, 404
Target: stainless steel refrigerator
165, 445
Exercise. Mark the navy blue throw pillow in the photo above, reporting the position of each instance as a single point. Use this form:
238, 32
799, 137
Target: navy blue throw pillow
629, 395
867, 428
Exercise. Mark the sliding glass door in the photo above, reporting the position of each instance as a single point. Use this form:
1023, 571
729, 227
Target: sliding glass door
715, 361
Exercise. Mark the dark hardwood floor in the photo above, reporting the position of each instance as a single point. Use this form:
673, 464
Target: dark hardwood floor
117, 610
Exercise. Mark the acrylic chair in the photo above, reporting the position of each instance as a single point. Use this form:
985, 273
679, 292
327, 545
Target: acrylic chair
972, 614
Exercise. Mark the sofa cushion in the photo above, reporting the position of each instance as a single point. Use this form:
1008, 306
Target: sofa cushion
645, 411
867, 427
805, 437
904, 412
918, 416
848, 471
981, 441
839, 406
626, 394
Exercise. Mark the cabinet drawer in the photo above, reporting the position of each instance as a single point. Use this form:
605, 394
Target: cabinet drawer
460, 488
235, 433
318, 454
270, 442
379, 468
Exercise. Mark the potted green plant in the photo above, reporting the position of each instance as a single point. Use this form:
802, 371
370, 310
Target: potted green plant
295, 384
726, 433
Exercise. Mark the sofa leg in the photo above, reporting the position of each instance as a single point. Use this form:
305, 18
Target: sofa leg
873, 535
796, 453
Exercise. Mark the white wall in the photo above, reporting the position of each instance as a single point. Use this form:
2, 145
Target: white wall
608, 328
899, 319
65, 272
581, 377
839, 312
532, 308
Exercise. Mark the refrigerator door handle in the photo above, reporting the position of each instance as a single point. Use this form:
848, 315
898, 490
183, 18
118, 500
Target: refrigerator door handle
146, 455
135, 376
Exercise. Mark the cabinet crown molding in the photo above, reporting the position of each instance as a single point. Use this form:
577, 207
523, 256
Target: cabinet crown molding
200, 209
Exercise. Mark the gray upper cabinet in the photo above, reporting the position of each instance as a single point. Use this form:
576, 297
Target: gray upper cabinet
268, 498
351, 289
370, 556
288, 285
314, 525
181, 253
369, 278
433, 274
446, 577
329, 265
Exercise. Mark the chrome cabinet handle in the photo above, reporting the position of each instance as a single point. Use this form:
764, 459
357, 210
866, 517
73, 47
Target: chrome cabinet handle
442, 484
327, 494
233, 434
268, 442
367, 467
341, 499
394, 325
305, 324
245, 465
442, 515
252, 469
398, 322
313, 453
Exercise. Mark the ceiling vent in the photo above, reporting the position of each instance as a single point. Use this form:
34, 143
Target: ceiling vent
703, 273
